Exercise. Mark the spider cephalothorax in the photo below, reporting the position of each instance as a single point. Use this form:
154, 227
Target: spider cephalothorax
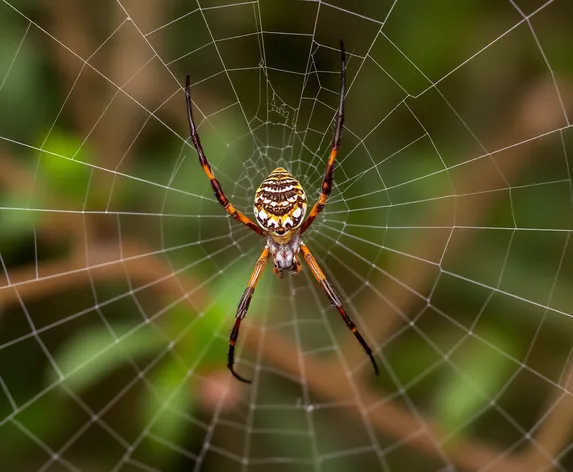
280, 208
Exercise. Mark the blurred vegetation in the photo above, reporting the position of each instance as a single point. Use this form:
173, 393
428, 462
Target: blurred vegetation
90, 178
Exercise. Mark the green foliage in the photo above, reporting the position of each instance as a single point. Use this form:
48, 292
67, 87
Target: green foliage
479, 374
95, 352
20, 88
169, 401
47, 420
63, 166
401, 180
15, 220
165, 405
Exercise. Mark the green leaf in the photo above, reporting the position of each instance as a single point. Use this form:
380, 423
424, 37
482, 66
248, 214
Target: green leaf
22, 81
16, 221
480, 374
94, 353
165, 406
219, 315
47, 419
172, 391
63, 164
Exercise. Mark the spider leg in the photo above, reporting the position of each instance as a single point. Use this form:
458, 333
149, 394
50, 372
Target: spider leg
335, 300
243, 308
219, 193
297, 267
329, 172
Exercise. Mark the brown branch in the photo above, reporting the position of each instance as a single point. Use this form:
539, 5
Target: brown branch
556, 428
138, 262
125, 63
68, 23
538, 113
103, 262
330, 383
100, 110
323, 378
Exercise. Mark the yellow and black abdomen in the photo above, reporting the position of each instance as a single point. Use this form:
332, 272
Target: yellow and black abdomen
280, 203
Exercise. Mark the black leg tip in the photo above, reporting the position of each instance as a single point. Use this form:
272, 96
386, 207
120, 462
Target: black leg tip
376, 370
237, 376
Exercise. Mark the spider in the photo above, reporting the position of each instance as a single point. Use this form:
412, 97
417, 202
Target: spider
279, 208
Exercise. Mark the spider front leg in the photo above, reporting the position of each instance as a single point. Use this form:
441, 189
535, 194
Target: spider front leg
329, 172
335, 300
243, 308
215, 184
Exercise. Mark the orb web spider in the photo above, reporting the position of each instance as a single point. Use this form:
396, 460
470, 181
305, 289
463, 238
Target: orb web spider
279, 208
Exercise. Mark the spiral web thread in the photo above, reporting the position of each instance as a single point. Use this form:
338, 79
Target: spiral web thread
409, 221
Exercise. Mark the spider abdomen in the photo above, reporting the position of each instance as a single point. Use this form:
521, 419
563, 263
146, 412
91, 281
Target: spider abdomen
280, 203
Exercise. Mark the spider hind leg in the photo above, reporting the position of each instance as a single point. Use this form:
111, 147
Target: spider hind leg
336, 303
242, 310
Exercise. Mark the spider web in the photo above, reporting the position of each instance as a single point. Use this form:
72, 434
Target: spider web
447, 236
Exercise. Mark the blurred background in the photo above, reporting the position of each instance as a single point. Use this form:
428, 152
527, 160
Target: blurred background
447, 236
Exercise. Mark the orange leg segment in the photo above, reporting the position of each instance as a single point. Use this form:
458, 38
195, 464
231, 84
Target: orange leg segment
329, 172
335, 301
215, 184
243, 308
